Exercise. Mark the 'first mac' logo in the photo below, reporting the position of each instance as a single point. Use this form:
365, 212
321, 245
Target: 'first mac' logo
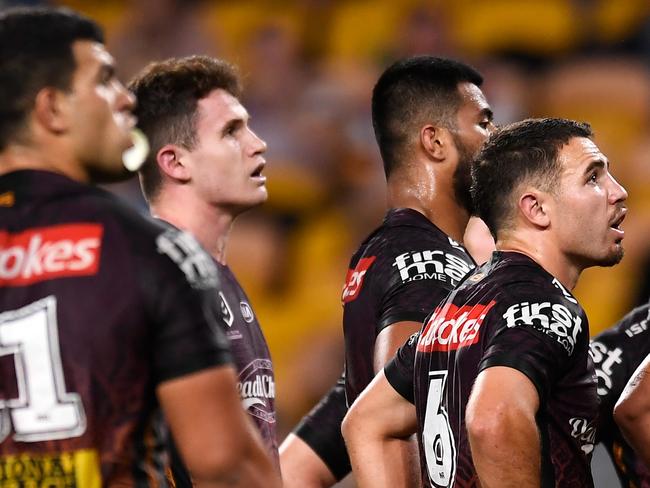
46, 253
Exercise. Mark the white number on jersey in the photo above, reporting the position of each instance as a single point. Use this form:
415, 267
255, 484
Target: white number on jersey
437, 439
43, 410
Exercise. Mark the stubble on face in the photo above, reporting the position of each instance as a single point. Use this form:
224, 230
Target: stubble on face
462, 178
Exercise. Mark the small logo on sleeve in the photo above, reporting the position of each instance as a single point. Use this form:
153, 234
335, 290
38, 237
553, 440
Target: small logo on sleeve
47, 253
354, 279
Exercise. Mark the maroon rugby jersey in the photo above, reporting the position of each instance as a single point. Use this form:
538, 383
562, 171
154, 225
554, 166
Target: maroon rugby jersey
251, 357
399, 273
98, 306
617, 353
512, 313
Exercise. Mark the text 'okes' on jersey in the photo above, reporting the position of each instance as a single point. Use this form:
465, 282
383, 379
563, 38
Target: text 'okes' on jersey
510, 313
95, 312
49, 252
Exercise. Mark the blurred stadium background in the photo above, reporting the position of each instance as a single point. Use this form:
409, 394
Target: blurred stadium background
309, 67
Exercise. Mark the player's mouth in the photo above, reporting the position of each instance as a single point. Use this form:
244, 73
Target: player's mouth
257, 173
615, 224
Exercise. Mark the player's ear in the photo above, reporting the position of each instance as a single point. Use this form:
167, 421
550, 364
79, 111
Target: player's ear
51, 110
170, 161
534, 207
435, 141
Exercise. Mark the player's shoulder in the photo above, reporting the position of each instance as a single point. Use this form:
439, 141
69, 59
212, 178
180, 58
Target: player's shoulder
539, 290
519, 276
109, 208
156, 244
406, 234
634, 324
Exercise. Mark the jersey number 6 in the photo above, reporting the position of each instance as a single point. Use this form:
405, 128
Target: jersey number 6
437, 438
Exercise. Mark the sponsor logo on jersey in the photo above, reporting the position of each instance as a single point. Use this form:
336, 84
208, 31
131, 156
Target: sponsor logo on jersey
605, 360
452, 327
246, 312
553, 319
638, 327
354, 279
431, 265
584, 433
52, 252
187, 253
257, 389
226, 311
68, 469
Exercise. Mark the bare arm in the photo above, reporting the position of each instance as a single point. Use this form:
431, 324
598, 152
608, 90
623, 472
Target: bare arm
376, 431
632, 411
390, 339
503, 434
216, 440
302, 467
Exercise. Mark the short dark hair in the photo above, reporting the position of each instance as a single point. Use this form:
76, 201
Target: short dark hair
412, 92
36, 52
168, 93
525, 151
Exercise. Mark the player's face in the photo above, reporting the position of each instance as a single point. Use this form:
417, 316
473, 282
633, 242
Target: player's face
473, 126
101, 117
227, 161
589, 206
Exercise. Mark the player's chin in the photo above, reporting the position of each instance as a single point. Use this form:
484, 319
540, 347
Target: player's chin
261, 194
614, 256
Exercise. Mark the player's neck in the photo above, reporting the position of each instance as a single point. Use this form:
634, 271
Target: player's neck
210, 225
440, 207
546, 254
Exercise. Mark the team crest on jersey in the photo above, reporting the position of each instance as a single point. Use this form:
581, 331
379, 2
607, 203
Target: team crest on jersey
451, 327
605, 360
47, 253
354, 279
553, 319
431, 265
187, 253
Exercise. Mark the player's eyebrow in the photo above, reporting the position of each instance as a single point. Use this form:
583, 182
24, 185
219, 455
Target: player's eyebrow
597, 163
232, 124
487, 113
106, 71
